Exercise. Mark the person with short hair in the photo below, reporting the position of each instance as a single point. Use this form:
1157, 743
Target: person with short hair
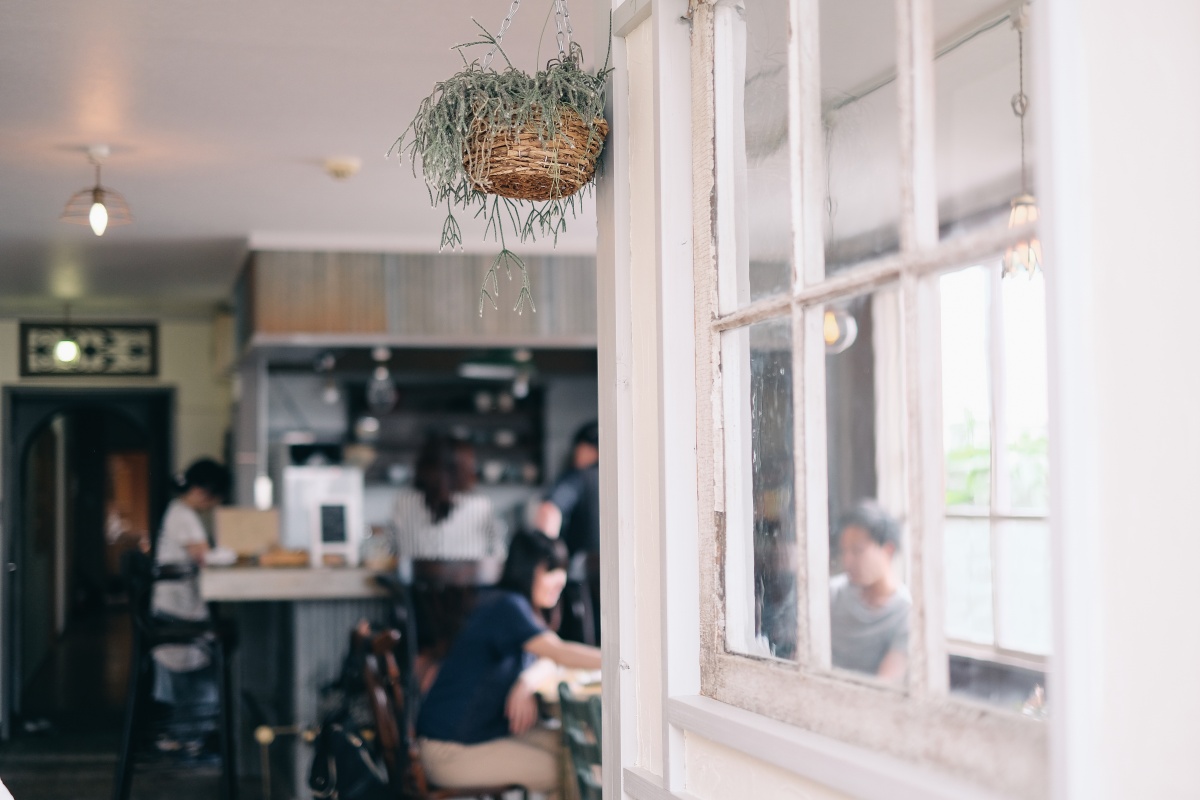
571, 511
868, 606
184, 674
478, 724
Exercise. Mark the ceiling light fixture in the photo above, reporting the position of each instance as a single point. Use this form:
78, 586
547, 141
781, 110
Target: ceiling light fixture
97, 206
1026, 254
342, 167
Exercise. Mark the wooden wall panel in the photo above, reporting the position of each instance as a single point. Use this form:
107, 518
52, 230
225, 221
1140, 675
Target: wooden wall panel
318, 293
425, 296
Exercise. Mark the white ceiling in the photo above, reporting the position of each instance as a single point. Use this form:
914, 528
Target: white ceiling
219, 114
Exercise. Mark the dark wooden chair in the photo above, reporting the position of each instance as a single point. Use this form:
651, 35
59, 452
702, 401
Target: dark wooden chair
394, 709
581, 732
141, 574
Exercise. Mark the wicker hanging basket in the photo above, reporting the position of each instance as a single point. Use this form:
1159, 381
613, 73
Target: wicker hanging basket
526, 164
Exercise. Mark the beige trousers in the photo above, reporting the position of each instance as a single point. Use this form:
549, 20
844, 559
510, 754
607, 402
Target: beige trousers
531, 760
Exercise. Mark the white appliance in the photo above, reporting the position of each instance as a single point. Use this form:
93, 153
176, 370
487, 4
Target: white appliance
322, 512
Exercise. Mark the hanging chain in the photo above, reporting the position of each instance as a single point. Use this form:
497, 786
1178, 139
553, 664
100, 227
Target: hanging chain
1020, 103
512, 9
562, 21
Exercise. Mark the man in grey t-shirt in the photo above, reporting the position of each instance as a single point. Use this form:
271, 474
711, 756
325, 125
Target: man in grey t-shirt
868, 606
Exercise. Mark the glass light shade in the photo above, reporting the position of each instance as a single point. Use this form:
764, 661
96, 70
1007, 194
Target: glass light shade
66, 351
98, 207
839, 329
1026, 254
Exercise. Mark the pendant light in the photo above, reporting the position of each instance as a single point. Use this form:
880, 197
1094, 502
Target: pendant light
97, 206
1026, 254
66, 349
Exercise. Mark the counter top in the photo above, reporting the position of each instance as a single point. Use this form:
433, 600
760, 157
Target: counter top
241, 584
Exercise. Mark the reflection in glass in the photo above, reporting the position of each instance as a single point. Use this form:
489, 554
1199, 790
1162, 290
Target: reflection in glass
1023, 585
869, 602
966, 387
757, 364
967, 549
978, 136
1026, 442
767, 172
859, 104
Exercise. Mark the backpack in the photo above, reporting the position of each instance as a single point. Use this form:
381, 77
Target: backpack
344, 768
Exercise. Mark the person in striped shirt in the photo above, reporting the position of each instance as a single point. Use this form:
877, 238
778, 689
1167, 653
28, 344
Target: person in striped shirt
441, 516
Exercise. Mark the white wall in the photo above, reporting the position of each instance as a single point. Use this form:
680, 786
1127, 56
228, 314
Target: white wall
1123, 314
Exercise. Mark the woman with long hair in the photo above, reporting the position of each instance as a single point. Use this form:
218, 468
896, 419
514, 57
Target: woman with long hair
441, 516
478, 724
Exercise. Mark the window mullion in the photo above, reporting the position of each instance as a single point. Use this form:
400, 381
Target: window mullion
812, 486
914, 77
807, 142
928, 669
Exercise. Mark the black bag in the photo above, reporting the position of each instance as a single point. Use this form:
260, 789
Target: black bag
344, 768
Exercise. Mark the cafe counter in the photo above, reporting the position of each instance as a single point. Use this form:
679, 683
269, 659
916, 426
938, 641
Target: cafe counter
294, 629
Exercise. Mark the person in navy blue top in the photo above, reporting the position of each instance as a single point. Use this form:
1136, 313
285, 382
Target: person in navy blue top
478, 724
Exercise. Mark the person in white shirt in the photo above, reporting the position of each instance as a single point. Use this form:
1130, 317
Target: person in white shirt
441, 516
183, 672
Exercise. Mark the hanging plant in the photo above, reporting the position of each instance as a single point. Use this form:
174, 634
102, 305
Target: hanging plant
512, 148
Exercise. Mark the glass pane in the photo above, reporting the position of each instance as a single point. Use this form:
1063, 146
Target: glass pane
1026, 416
966, 387
760, 505
862, 130
1023, 585
978, 135
967, 547
767, 169
869, 602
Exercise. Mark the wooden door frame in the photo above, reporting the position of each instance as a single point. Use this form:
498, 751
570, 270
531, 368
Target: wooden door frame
26, 411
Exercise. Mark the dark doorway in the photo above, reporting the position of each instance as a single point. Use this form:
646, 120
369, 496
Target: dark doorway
86, 473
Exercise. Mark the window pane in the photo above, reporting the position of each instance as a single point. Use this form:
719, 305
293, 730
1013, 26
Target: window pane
1026, 416
869, 601
1023, 585
862, 130
978, 135
967, 547
760, 507
767, 169
966, 387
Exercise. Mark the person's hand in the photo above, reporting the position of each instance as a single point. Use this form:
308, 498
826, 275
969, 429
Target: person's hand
521, 708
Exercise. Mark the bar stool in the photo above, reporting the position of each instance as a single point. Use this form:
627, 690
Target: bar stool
141, 574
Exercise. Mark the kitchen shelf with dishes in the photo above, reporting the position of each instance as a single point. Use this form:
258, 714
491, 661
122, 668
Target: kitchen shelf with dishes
505, 432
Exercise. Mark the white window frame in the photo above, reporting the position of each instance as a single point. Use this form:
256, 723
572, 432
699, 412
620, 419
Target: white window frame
921, 723
843, 767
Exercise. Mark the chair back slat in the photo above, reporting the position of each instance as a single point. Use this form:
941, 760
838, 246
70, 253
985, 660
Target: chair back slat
583, 734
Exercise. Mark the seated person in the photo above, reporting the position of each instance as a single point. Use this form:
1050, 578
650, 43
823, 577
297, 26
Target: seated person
478, 724
184, 675
442, 517
868, 606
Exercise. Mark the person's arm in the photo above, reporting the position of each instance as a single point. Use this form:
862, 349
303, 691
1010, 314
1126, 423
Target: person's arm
548, 519
566, 654
893, 667
521, 705
197, 551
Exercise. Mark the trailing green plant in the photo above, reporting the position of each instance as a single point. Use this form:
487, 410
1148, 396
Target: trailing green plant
481, 100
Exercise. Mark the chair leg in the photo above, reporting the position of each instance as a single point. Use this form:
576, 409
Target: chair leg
228, 766
123, 781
